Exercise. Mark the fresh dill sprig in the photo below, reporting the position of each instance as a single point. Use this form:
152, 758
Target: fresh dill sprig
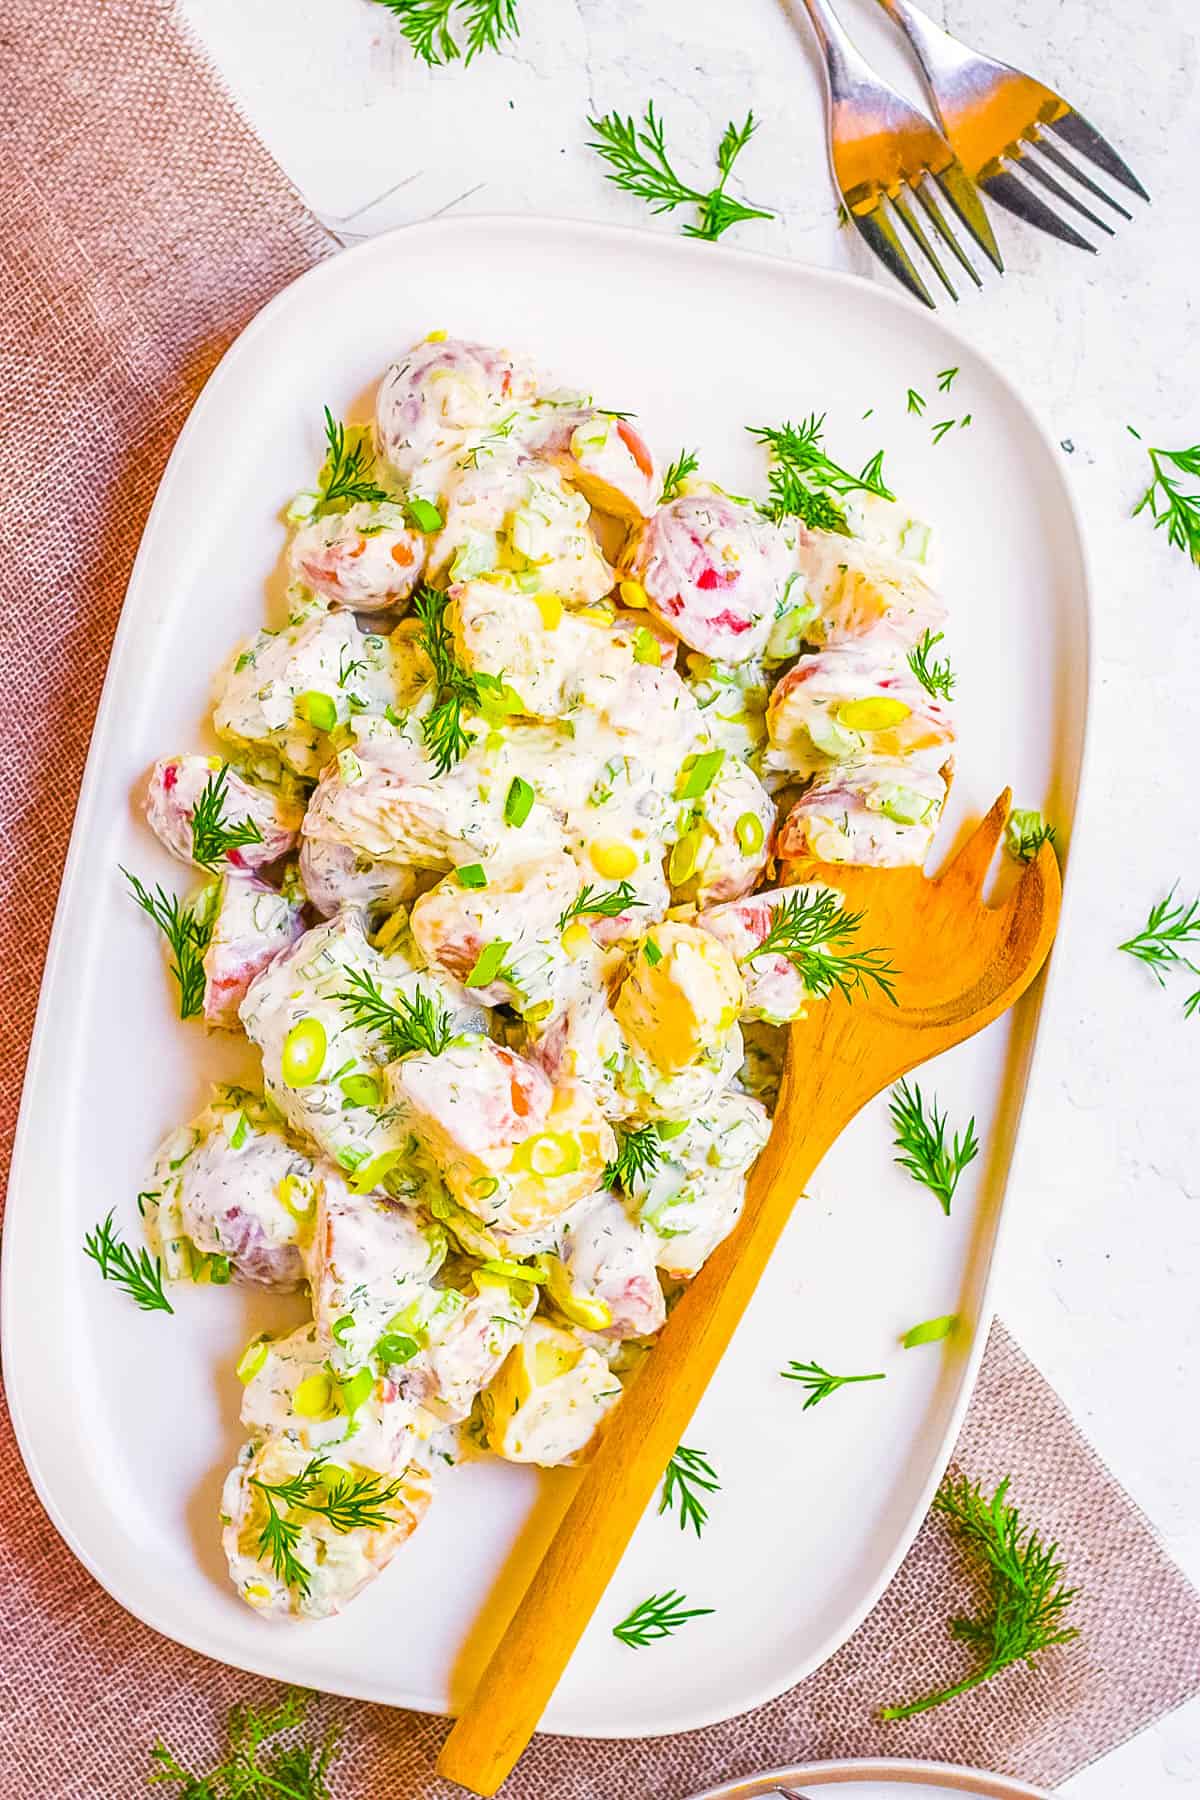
813, 932
638, 163
916, 402
688, 1474
346, 474
685, 464
937, 678
1027, 1596
188, 928
656, 1617
1157, 943
1025, 834
414, 1022
945, 380
446, 737
1167, 503
213, 835
819, 1382
609, 903
429, 25
639, 1153
926, 1155
346, 1502
940, 430
255, 1767
804, 475
141, 1278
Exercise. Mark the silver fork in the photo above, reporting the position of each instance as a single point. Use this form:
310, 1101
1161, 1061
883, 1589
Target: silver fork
995, 116
883, 152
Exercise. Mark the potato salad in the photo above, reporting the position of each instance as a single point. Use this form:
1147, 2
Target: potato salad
518, 854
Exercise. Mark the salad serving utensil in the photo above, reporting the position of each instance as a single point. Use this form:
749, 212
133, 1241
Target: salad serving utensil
959, 965
885, 154
998, 119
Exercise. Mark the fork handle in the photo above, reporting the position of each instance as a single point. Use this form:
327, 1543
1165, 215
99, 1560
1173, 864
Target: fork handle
844, 67
937, 52
641, 1436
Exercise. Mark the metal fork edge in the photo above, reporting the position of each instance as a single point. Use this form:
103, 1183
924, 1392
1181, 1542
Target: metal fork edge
853, 89
956, 76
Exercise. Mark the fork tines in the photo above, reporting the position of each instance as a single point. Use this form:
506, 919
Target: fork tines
1004, 185
878, 227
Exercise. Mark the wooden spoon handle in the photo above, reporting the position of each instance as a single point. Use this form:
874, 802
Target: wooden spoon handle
503, 1713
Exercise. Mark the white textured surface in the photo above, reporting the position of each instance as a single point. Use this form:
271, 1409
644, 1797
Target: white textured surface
1102, 1269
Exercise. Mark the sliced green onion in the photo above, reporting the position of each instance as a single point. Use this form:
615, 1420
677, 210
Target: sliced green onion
424, 514
471, 875
698, 774
550, 1153
518, 802
395, 1347
684, 857
252, 1359
360, 1387
370, 1174
318, 709
239, 1132
341, 1328
304, 1050
361, 1090
931, 1332
652, 953
671, 1128
749, 833
646, 647
484, 1186
488, 963
514, 1271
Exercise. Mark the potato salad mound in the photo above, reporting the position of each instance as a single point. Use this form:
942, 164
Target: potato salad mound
493, 866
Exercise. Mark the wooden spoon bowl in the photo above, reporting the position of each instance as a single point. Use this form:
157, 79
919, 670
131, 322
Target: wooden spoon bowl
959, 965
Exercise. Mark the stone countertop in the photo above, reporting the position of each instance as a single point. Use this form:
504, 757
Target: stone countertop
1101, 1280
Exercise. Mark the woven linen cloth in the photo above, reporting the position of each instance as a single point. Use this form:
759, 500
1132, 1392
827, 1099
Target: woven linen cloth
141, 226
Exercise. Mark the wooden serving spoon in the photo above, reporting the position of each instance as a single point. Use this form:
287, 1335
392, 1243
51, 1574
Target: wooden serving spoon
959, 965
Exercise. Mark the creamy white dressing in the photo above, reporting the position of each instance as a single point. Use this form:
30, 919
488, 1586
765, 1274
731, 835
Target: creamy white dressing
532, 944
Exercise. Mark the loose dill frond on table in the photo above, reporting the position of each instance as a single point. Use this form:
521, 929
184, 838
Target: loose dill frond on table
412, 1022
213, 835
609, 903
1159, 944
638, 162
945, 380
923, 1146
813, 931
187, 926
819, 1382
677, 472
916, 402
347, 474
639, 1153
140, 1276
256, 1766
1027, 1594
687, 1476
429, 26
937, 678
656, 1617
1166, 500
803, 476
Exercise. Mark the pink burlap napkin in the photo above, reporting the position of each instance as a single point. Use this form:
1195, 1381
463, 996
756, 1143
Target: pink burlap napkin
141, 225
